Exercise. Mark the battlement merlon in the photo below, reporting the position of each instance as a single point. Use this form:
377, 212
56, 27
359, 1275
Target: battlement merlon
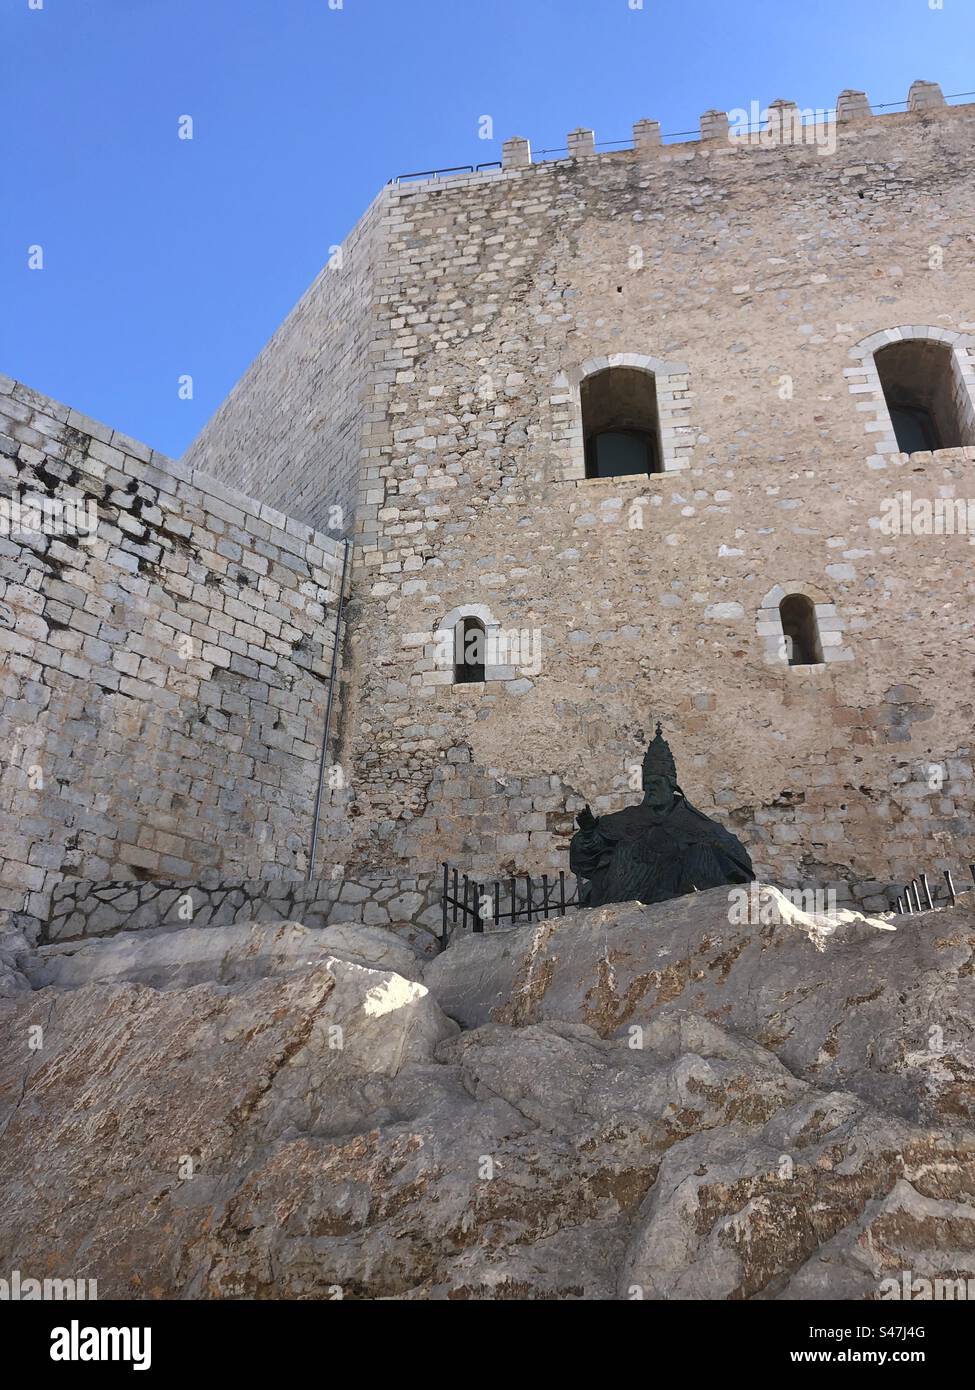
783, 122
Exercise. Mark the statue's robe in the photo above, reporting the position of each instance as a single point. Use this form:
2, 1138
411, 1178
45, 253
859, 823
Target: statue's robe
639, 854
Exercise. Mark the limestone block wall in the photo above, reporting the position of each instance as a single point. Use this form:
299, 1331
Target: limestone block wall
162, 680
290, 432
757, 274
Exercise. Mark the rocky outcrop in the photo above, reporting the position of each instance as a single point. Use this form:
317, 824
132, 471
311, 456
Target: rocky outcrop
16, 956
135, 1118
228, 955
881, 1007
250, 1115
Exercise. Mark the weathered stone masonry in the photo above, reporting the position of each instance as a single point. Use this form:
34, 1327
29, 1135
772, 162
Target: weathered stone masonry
162, 687
763, 274
428, 387
290, 431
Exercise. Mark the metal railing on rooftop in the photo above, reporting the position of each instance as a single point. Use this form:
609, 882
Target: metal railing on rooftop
672, 135
455, 169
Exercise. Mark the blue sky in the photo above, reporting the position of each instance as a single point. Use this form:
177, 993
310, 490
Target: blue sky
165, 257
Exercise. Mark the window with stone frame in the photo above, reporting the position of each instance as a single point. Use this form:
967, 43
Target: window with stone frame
620, 423
470, 646
800, 631
921, 391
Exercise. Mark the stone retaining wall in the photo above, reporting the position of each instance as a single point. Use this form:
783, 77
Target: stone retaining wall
408, 906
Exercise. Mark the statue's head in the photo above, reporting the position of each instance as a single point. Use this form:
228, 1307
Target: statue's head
659, 772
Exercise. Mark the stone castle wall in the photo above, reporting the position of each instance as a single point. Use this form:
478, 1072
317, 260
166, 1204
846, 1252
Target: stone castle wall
290, 432
430, 382
752, 281
163, 685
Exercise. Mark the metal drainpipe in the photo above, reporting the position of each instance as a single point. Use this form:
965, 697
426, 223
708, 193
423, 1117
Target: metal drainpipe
328, 720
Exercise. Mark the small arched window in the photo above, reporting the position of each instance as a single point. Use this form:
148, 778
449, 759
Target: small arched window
620, 422
800, 631
919, 384
470, 642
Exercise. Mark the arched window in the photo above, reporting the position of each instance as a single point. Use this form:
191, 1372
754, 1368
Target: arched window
919, 385
620, 422
800, 631
470, 642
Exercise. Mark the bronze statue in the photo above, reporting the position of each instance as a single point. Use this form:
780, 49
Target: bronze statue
660, 849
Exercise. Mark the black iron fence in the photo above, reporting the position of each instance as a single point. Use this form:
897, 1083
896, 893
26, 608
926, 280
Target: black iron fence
919, 896
468, 903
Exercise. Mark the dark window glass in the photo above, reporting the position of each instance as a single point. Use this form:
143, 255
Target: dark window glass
616, 453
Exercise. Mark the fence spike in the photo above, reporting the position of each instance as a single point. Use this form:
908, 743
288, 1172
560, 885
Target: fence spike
951, 886
927, 892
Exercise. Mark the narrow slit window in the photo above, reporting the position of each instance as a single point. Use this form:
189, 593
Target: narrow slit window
470, 640
800, 631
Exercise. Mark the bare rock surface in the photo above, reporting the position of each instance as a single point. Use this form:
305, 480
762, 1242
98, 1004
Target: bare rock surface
324, 1129
167, 958
882, 1007
16, 958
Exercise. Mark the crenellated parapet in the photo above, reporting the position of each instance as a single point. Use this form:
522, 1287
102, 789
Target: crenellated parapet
781, 123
